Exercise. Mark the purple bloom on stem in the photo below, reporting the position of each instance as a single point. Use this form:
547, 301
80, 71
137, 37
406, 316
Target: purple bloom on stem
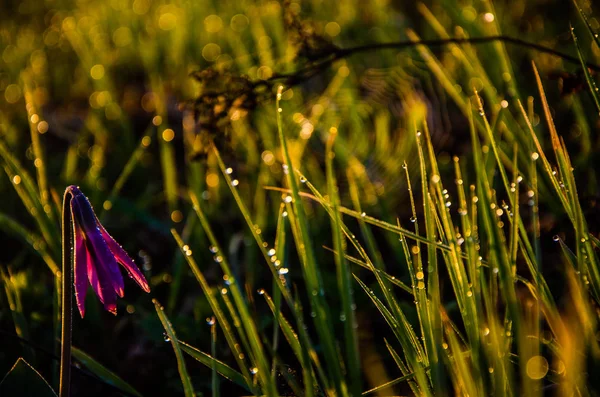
96, 257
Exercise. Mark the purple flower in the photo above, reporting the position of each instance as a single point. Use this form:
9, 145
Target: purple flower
96, 257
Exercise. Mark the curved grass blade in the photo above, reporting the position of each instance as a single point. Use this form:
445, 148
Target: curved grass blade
213, 351
588, 78
343, 275
218, 312
302, 350
593, 33
248, 323
129, 167
386, 385
310, 268
188, 388
102, 372
223, 369
11, 226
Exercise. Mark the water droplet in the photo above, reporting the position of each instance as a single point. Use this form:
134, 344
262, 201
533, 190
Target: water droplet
218, 258
253, 370
284, 214
302, 179
284, 270
556, 237
235, 182
271, 252
210, 320
342, 317
213, 249
261, 291
166, 337
413, 219
288, 199
363, 214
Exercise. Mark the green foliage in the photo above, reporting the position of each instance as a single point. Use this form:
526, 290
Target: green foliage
24, 380
418, 220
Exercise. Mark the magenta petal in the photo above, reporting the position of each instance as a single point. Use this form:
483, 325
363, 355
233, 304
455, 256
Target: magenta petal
93, 276
80, 269
101, 281
124, 259
103, 257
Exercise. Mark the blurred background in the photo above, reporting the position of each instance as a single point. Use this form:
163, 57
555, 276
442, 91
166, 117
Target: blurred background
117, 97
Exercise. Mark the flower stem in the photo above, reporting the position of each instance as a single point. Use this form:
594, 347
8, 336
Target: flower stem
67, 292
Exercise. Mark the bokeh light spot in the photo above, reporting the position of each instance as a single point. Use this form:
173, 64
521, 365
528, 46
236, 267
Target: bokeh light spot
97, 72
537, 367
12, 94
211, 52
168, 135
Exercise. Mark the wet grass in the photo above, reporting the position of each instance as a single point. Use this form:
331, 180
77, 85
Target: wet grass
406, 222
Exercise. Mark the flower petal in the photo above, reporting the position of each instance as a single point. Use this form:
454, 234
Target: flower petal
80, 267
102, 255
93, 276
124, 259
101, 281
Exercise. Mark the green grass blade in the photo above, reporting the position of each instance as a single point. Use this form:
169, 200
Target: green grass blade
28, 193
588, 77
310, 267
213, 351
129, 167
14, 228
242, 307
15, 305
398, 360
102, 372
223, 369
188, 388
301, 347
344, 277
386, 385
218, 312
585, 19
36, 145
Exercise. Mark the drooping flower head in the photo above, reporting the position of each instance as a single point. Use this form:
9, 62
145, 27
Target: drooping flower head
96, 257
